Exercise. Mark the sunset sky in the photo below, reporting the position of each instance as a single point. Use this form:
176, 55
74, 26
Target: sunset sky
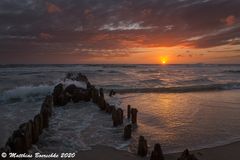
119, 31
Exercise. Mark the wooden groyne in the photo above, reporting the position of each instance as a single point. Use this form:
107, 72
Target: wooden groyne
28, 133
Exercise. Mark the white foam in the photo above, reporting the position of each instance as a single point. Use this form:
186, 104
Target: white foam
26, 91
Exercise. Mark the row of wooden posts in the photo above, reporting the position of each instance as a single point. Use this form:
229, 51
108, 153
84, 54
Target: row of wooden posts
97, 97
117, 118
28, 133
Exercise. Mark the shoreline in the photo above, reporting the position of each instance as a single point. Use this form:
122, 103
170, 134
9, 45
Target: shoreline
219, 144
225, 152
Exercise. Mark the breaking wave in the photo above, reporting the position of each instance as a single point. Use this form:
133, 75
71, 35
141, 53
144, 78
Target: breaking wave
22, 92
152, 81
31, 91
232, 71
181, 89
196, 81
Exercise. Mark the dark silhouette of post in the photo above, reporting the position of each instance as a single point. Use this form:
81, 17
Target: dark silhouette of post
157, 153
117, 117
134, 115
127, 131
101, 92
186, 155
142, 146
111, 93
128, 111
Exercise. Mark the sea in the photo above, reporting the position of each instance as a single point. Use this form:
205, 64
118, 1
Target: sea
190, 106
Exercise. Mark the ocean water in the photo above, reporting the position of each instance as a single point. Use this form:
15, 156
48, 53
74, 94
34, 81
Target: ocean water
180, 106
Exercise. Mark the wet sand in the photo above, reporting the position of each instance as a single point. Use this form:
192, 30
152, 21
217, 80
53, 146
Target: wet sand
226, 152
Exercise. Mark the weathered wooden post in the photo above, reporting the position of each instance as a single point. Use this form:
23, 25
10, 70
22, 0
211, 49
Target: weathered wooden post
142, 146
58, 89
109, 108
111, 93
36, 128
186, 155
89, 86
127, 131
18, 142
157, 153
134, 115
101, 103
26, 131
101, 92
48, 103
120, 116
45, 115
128, 111
46, 111
114, 117
95, 95
117, 117
40, 117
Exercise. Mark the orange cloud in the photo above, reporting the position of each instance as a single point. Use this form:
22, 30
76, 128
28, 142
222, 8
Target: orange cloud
45, 36
100, 37
88, 13
52, 8
146, 12
230, 20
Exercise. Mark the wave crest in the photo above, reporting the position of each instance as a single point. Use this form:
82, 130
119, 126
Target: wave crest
182, 89
25, 92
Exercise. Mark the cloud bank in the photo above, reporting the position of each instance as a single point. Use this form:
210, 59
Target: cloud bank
93, 28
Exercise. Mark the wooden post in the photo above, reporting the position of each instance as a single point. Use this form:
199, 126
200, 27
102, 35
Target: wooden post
101, 92
36, 128
187, 155
26, 130
134, 115
128, 111
120, 116
127, 131
142, 146
114, 117
117, 117
111, 93
157, 153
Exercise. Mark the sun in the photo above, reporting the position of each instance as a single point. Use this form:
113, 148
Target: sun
164, 59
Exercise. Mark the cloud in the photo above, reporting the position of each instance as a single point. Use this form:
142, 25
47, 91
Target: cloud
168, 28
125, 26
185, 55
228, 57
224, 51
45, 36
53, 8
229, 35
230, 20
31, 27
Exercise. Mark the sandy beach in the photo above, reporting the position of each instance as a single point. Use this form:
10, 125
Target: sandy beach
226, 152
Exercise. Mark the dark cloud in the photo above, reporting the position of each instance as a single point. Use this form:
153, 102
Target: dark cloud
237, 57
224, 51
98, 28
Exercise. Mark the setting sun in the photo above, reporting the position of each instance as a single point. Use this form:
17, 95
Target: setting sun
164, 59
